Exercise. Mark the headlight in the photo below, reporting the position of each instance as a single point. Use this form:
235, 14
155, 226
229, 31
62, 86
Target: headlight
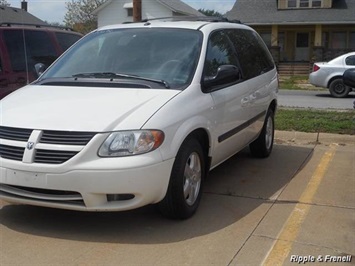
126, 143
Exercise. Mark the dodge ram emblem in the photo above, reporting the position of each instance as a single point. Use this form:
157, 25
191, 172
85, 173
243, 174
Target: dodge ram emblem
30, 145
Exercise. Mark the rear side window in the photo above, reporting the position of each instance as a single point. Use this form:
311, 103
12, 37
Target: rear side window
350, 60
31, 46
65, 40
253, 54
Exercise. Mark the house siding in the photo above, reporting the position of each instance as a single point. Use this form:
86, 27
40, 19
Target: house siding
115, 13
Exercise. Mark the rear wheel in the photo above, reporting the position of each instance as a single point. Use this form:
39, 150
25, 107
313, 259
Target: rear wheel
262, 146
338, 89
185, 187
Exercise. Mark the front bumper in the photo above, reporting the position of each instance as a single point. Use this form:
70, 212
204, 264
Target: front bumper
87, 190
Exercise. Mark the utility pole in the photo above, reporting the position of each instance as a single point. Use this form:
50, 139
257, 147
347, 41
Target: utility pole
137, 10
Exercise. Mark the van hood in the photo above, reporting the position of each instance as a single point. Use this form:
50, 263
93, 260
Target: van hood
81, 108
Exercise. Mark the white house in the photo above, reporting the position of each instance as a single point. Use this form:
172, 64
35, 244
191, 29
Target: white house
119, 11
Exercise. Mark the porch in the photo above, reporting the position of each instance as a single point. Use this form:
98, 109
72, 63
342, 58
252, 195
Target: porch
307, 43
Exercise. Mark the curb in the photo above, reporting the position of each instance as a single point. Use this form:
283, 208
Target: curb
289, 137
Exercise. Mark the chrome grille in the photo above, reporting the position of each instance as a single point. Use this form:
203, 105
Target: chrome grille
11, 152
18, 134
53, 157
66, 137
50, 137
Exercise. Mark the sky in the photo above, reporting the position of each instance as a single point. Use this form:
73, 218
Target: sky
54, 10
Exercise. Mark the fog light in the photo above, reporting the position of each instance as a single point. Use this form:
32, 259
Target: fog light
119, 197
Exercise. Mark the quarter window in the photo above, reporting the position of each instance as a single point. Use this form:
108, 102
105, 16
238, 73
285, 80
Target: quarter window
350, 60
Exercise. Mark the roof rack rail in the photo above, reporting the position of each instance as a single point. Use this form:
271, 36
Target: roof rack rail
194, 18
9, 24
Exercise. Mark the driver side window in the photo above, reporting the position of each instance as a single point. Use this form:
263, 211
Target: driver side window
219, 52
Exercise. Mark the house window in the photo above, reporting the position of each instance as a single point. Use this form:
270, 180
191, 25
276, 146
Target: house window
304, 3
266, 38
129, 12
352, 40
129, 9
291, 3
325, 39
316, 3
338, 40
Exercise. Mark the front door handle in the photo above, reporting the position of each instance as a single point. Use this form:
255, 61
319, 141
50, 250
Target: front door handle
245, 101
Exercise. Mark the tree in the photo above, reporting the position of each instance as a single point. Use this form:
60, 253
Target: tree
210, 13
79, 15
4, 3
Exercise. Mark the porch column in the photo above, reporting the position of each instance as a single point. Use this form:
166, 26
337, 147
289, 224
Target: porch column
318, 37
318, 48
274, 35
275, 48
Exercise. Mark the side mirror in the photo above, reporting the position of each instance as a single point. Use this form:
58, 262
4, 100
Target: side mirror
349, 78
40, 68
226, 74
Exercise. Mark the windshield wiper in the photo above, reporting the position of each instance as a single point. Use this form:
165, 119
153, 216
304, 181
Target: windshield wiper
119, 75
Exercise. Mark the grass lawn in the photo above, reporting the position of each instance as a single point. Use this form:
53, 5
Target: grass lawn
296, 83
308, 120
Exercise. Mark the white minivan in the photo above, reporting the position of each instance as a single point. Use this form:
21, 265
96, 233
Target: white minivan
137, 114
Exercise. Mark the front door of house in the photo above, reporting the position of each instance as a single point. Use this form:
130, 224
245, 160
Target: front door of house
302, 46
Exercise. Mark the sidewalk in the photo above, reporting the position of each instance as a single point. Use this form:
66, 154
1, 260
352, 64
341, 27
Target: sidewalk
303, 138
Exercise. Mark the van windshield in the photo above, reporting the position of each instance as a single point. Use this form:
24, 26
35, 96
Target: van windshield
164, 54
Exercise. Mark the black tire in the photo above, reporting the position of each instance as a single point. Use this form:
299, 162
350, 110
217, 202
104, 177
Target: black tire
187, 175
338, 89
262, 146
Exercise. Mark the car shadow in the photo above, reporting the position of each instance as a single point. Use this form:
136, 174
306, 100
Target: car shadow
328, 95
232, 191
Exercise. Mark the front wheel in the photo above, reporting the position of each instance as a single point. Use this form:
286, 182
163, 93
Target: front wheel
338, 89
185, 187
262, 146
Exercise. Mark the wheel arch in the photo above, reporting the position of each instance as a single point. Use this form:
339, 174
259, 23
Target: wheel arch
273, 105
202, 136
332, 79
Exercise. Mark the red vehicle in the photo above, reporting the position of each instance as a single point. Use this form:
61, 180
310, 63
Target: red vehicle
24, 46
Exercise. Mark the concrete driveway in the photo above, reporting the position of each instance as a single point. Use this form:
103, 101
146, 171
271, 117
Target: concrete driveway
299, 204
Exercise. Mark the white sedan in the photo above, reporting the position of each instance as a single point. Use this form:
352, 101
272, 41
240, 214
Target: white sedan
330, 74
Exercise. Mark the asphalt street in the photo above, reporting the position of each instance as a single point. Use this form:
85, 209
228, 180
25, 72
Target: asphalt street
314, 99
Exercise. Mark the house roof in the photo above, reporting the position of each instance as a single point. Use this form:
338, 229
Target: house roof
179, 7
265, 12
174, 5
18, 15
